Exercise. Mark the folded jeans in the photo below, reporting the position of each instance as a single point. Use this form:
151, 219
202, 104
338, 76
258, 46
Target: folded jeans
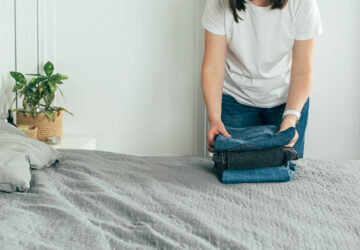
282, 173
267, 157
253, 137
249, 139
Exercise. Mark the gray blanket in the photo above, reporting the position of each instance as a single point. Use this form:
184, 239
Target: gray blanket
100, 200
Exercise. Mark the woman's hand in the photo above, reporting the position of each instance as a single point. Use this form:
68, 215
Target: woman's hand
287, 122
216, 127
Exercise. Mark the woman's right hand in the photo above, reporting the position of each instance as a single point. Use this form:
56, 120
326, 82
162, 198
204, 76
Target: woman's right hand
216, 127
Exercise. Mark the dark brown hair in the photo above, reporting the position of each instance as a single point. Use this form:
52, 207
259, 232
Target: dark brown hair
236, 5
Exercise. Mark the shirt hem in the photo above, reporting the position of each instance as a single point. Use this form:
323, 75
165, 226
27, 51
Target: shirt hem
308, 36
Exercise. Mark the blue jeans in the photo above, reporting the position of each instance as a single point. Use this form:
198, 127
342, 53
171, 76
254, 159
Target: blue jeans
251, 139
267, 174
234, 114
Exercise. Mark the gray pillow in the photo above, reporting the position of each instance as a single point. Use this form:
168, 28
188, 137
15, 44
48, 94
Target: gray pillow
14, 172
18, 153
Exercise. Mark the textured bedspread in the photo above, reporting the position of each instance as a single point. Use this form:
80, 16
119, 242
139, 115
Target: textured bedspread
100, 200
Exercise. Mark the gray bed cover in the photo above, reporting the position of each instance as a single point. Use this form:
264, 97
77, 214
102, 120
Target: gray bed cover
101, 200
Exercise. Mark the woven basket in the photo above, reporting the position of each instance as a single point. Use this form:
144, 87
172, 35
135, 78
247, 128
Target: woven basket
46, 128
30, 131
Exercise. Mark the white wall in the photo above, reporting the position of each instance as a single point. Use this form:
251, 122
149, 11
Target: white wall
200, 120
334, 126
7, 52
132, 79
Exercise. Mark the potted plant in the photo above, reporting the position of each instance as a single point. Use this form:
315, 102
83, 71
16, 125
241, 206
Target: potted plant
38, 95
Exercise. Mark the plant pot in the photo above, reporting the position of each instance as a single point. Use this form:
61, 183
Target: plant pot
46, 127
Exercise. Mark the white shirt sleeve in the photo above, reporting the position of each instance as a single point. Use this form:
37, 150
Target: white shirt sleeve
213, 18
308, 22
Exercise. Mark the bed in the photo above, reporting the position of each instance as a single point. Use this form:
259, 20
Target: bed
102, 200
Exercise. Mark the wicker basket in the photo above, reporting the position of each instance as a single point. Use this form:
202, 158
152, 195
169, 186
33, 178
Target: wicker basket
30, 131
46, 128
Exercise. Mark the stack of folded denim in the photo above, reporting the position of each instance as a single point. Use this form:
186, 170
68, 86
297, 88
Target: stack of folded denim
255, 154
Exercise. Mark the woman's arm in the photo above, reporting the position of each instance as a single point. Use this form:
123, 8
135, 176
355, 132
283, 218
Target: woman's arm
212, 77
301, 81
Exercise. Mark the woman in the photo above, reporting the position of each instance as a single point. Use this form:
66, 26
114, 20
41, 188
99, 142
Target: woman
258, 64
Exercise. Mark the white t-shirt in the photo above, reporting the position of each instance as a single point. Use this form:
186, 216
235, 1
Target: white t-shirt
259, 48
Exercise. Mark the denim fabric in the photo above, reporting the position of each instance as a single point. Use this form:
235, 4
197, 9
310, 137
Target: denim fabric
282, 173
245, 140
267, 157
254, 137
237, 115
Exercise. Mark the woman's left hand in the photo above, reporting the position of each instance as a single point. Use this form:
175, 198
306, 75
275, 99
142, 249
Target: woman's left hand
287, 122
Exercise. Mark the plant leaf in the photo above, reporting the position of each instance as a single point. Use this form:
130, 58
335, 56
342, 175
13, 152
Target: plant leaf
48, 68
52, 86
48, 98
51, 115
25, 103
42, 87
30, 98
18, 77
18, 86
36, 97
32, 74
63, 109
62, 94
32, 83
58, 78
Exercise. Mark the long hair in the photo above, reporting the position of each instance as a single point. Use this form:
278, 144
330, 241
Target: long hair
236, 5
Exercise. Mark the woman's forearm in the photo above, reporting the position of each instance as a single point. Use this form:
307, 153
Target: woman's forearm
212, 74
299, 91
212, 83
301, 74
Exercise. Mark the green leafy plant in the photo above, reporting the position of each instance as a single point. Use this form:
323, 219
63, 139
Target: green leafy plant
39, 92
